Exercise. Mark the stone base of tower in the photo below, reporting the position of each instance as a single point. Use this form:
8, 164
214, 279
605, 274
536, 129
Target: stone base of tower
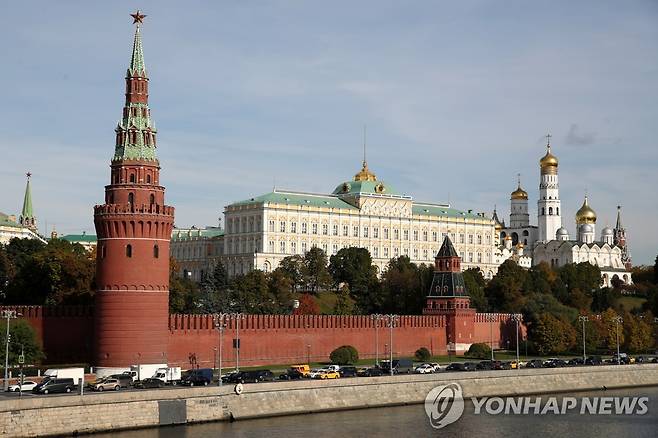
133, 329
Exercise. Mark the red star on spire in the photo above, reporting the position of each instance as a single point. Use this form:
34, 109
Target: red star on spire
138, 17
29, 174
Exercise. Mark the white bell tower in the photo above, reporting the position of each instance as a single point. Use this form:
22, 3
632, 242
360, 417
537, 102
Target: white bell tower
548, 205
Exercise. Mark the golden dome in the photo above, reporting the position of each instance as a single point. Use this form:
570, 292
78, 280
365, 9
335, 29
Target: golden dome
585, 215
365, 174
548, 162
519, 193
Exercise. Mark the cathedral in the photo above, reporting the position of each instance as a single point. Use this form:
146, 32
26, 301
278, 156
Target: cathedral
550, 242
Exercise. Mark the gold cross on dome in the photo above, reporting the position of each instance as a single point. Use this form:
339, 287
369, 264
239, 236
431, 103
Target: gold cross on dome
548, 139
138, 17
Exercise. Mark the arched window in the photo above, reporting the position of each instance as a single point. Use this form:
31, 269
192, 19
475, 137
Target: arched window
148, 179
550, 211
131, 198
132, 177
129, 250
152, 198
543, 211
156, 251
557, 211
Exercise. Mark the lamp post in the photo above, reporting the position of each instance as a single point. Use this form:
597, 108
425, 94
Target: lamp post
220, 325
491, 318
617, 320
308, 354
584, 319
237, 317
391, 322
517, 318
376, 317
8, 314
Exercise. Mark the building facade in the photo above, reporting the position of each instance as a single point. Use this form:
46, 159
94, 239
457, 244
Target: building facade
26, 226
196, 250
134, 228
366, 213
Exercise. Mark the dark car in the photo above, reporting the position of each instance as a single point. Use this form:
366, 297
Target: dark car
197, 377
456, 366
347, 371
535, 363
624, 359
370, 372
257, 376
485, 365
149, 383
555, 363
470, 366
125, 380
576, 361
51, 386
400, 366
233, 377
593, 360
291, 374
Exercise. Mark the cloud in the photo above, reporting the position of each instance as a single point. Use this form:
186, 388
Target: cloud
575, 137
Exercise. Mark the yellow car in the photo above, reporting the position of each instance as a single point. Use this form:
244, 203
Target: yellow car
330, 375
514, 364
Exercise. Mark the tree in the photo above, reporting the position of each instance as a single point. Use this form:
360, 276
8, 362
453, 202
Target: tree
213, 295
344, 304
294, 268
315, 262
479, 350
505, 292
655, 271
401, 287
344, 355
475, 283
551, 335
22, 339
281, 290
593, 334
605, 298
307, 306
353, 266
584, 276
422, 354
611, 330
7, 272
250, 293
638, 336
183, 292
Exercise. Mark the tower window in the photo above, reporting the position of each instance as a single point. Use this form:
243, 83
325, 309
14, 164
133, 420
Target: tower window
152, 198
131, 198
103, 251
132, 177
557, 211
543, 211
148, 179
156, 251
129, 250
550, 211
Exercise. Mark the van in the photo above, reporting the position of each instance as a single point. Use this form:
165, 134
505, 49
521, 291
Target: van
304, 369
400, 366
198, 377
50, 386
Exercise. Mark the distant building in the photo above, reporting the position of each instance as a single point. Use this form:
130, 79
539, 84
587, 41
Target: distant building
26, 226
196, 250
88, 241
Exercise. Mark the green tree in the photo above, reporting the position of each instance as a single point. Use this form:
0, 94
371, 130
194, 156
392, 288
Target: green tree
605, 298
21, 251
344, 355
584, 277
422, 354
295, 269
315, 262
475, 283
353, 266
281, 291
7, 272
401, 287
22, 339
479, 350
505, 292
213, 296
344, 303
611, 330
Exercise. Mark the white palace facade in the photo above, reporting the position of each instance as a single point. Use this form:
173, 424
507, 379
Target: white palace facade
366, 213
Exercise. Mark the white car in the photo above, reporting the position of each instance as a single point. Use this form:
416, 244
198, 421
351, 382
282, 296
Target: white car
424, 369
316, 372
436, 367
332, 367
28, 385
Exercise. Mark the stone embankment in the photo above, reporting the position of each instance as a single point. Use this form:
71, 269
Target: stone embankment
66, 415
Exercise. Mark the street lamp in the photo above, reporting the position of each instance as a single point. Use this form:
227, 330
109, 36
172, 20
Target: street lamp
236, 318
517, 318
391, 323
8, 314
583, 319
617, 320
220, 325
376, 317
491, 318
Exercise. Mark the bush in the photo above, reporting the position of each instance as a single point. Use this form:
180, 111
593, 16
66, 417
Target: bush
422, 354
344, 355
479, 351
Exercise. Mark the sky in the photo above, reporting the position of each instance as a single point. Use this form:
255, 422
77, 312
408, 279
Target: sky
249, 95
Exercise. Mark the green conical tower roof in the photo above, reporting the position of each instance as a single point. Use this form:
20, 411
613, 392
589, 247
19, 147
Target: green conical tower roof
27, 218
137, 66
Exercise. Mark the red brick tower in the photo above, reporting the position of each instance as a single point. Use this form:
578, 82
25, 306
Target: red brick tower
134, 228
448, 296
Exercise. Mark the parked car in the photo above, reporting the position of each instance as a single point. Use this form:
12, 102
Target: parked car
291, 374
125, 380
347, 371
456, 366
576, 361
232, 377
624, 359
315, 372
424, 369
333, 367
330, 374
28, 385
535, 363
554, 362
400, 366
149, 382
304, 369
436, 366
593, 360
107, 384
369, 372
198, 377
470, 366
51, 386
513, 365
257, 376
485, 365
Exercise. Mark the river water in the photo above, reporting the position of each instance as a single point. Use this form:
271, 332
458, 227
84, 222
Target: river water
411, 421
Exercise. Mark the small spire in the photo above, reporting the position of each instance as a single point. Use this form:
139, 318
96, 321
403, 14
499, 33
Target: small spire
518, 178
137, 66
27, 218
364, 147
619, 226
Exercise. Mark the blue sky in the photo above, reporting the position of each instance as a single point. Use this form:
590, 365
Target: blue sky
457, 97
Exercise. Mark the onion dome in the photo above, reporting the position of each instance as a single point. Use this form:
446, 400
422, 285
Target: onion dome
585, 215
586, 228
519, 193
561, 232
548, 162
607, 231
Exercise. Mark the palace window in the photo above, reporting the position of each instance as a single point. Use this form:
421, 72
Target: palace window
415, 254
271, 245
325, 229
425, 254
293, 227
355, 231
386, 233
479, 239
479, 257
334, 249
365, 231
470, 239
405, 233
345, 230
425, 235
375, 252
396, 234
461, 238
435, 236
335, 230
314, 228
396, 251
324, 248
293, 247
470, 257
303, 247
271, 227
375, 233
303, 227
282, 247
282, 227
386, 251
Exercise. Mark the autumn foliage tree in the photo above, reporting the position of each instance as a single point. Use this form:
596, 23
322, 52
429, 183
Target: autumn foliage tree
307, 306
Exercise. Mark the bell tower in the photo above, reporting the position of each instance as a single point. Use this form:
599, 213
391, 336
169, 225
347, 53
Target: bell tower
134, 228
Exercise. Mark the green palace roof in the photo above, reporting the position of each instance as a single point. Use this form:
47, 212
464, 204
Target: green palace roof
365, 187
84, 237
191, 233
297, 199
6, 222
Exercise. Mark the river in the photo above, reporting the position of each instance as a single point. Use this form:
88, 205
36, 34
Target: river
411, 421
